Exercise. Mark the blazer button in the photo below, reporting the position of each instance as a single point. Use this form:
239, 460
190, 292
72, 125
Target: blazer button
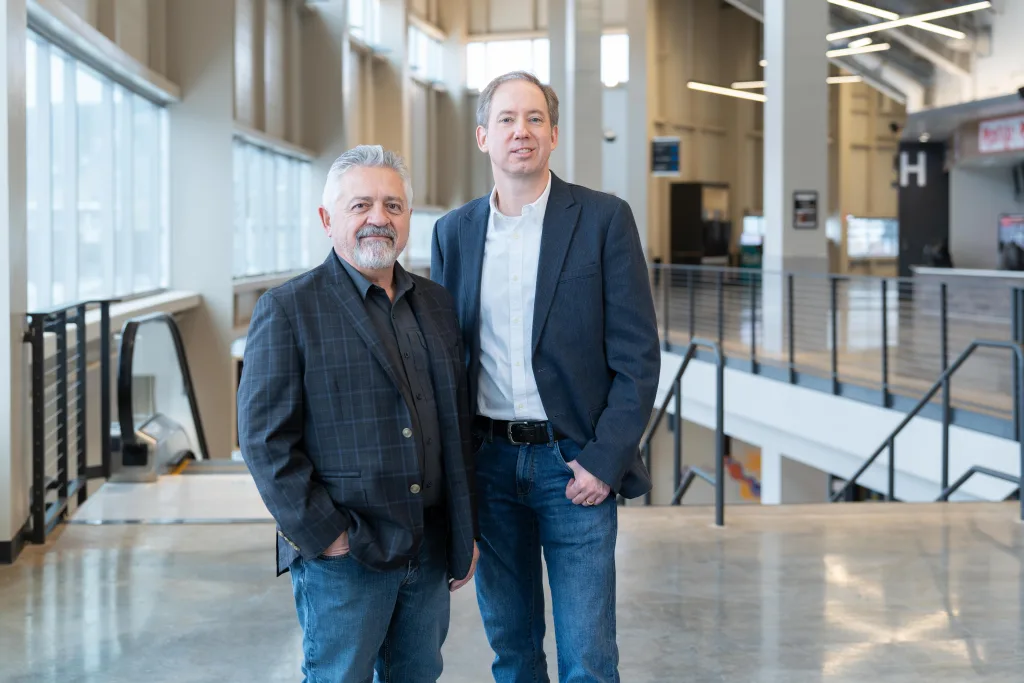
407, 433
415, 488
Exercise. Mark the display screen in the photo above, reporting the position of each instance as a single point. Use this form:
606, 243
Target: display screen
1011, 229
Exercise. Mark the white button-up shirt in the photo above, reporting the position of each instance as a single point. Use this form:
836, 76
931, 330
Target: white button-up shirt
508, 289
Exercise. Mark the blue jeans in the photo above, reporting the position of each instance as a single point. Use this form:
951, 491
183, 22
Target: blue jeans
357, 622
524, 511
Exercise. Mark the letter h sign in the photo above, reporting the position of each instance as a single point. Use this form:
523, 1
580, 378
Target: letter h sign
918, 169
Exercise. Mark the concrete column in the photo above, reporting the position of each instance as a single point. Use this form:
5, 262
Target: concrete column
795, 159
640, 27
327, 65
200, 39
392, 88
771, 476
581, 117
14, 465
556, 65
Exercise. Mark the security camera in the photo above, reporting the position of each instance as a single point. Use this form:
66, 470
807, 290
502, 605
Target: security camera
609, 135
894, 127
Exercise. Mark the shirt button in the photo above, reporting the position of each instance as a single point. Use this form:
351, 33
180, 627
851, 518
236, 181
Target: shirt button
518, 364
407, 354
515, 278
430, 441
407, 433
419, 397
415, 488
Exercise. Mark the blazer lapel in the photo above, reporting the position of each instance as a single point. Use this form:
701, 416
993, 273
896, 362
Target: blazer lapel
560, 220
472, 238
344, 291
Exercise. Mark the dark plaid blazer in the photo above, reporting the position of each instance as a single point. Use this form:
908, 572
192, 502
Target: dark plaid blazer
596, 354
325, 428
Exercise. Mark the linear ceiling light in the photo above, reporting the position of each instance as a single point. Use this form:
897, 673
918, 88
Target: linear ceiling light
847, 51
831, 80
851, 50
886, 14
907, 21
747, 85
704, 87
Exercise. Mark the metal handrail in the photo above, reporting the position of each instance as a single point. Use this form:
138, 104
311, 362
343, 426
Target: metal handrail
943, 383
126, 355
680, 481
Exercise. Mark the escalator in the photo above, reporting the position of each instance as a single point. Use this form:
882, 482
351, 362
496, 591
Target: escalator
159, 444
149, 443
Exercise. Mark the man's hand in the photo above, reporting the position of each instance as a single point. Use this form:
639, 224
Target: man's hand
456, 585
585, 488
339, 547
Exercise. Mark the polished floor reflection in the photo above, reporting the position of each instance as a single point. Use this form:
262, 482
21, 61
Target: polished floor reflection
886, 593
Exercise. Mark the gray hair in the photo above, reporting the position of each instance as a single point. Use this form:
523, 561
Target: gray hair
483, 108
364, 156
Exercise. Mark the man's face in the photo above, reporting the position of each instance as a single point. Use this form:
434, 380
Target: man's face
519, 136
369, 220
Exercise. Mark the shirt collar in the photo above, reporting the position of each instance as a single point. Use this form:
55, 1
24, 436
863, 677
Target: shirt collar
539, 206
403, 281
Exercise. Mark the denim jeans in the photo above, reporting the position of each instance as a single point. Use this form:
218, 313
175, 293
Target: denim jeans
357, 622
524, 512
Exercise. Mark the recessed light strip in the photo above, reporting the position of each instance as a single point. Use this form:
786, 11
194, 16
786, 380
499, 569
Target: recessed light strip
886, 14
741, 94
907, 21
831, 80
847, 51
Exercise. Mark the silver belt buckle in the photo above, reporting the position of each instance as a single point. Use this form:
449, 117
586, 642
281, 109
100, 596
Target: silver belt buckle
508, 432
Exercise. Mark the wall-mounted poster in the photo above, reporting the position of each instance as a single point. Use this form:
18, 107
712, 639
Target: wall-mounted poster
665, 156
805, 209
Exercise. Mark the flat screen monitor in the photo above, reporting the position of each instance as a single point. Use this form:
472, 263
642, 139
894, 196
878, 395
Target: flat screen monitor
1011, 229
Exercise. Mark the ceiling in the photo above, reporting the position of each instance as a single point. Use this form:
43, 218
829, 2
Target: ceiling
915, 52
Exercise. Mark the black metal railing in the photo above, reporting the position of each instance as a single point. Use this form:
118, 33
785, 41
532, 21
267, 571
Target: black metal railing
879, 340
60, 468
943, 382
132, 450
683, 477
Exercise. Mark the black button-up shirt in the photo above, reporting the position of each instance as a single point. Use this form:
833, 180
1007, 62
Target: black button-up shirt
399, 331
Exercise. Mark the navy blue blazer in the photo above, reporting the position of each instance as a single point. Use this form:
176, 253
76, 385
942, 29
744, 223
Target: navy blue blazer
324, 423
596, 353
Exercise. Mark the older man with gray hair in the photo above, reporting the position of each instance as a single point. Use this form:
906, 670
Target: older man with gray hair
353, 418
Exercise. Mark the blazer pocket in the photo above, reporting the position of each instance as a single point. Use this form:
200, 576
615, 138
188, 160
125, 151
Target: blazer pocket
579, 273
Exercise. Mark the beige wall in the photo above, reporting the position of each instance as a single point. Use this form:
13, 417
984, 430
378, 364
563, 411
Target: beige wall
268, 67
137, 26
720, 137
501, 16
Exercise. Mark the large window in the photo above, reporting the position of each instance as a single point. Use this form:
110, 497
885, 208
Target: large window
274, 210
97, 183
426, 56
487, 59
363, 20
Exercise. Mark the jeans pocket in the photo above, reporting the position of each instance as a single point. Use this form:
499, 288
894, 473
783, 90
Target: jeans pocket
560, 456
330, 559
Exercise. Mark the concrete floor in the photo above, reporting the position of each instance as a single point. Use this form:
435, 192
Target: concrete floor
887, 593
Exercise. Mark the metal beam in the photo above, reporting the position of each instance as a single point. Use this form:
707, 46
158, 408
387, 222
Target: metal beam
922, 50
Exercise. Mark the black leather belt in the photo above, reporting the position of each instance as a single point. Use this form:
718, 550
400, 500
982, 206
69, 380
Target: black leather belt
516, 432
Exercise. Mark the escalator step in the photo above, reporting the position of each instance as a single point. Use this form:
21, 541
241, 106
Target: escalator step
213, 467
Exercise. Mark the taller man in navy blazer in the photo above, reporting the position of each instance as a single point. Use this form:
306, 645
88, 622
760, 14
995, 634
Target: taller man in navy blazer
553, 298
